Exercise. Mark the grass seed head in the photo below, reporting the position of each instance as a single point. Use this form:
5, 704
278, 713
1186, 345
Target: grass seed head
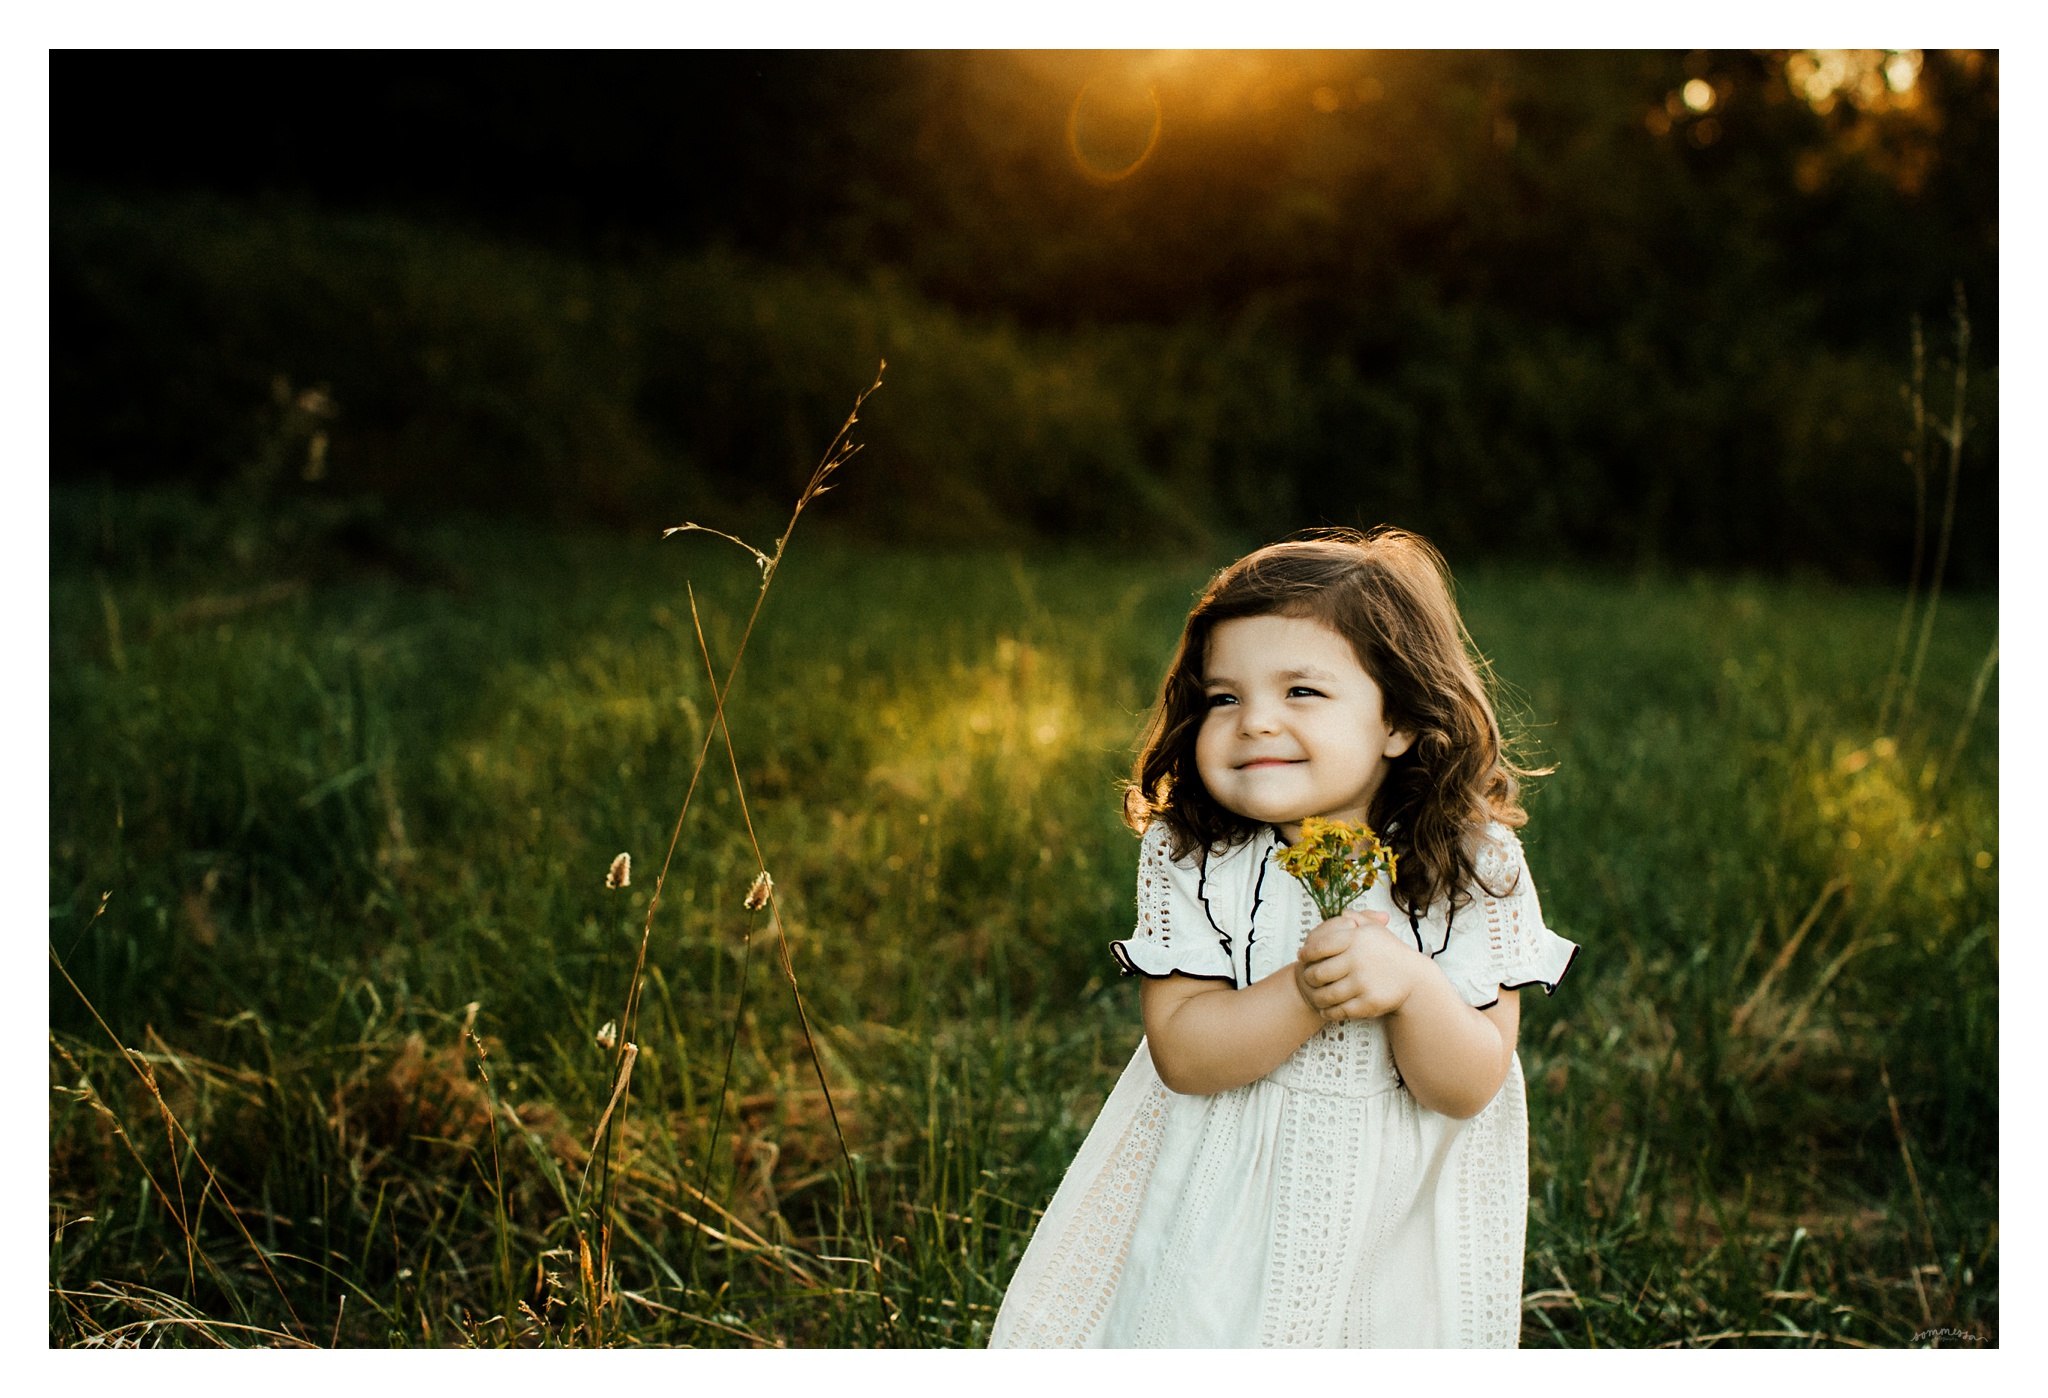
621, 872
757, 895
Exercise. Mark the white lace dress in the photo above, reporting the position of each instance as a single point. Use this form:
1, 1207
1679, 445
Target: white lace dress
1319, 1205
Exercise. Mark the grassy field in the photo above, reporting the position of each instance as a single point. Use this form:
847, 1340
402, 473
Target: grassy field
353, 791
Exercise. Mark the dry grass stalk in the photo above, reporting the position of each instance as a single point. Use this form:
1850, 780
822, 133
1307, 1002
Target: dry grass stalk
1951, 437
1785, 955
626, 1060
838, 452
502, 1215
759, 1341
213, 1184
1916, 461
161, 1312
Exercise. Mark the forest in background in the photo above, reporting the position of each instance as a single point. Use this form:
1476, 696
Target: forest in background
1622, 308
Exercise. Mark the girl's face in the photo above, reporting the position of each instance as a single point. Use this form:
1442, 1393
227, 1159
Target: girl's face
1294, 726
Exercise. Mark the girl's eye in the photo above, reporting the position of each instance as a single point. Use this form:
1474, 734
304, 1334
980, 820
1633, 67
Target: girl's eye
1304, 689
1217, 701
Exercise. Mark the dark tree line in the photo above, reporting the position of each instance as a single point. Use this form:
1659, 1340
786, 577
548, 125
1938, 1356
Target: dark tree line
1627, 306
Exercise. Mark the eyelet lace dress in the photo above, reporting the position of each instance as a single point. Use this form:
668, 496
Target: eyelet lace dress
1320, 1205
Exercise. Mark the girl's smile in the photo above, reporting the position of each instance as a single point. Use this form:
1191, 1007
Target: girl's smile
1295, 726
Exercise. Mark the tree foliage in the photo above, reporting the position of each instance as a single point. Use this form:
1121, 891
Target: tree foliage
1597, 302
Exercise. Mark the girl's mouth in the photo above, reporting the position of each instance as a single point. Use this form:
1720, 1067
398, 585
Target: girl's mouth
1269, 762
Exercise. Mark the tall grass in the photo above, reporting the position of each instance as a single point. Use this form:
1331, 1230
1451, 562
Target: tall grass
352, 1043
333, 821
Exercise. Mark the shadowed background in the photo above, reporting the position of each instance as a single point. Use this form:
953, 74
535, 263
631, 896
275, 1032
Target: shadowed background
1632, 308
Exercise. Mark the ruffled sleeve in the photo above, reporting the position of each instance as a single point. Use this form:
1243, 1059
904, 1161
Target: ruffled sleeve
1174, 933
1499, 941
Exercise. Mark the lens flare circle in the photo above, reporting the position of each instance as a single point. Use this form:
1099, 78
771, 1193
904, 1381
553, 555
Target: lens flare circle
1098, 112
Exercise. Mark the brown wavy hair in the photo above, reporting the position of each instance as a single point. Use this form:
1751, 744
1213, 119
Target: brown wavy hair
1388, 593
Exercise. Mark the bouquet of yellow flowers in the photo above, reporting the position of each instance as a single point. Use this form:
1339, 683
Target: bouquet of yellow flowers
1337, 860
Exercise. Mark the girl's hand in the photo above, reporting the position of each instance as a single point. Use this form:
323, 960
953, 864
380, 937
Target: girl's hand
1352, 967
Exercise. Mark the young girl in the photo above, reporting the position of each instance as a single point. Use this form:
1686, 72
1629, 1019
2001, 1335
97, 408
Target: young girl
1321, 1140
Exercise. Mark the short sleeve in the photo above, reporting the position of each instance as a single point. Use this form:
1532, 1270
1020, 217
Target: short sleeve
1499, 941
1174, 934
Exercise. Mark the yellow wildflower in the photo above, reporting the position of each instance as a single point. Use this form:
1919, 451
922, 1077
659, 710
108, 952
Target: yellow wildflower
1337, 860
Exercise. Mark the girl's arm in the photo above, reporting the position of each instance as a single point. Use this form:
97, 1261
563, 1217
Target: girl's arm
1208, 1037
1453, 1057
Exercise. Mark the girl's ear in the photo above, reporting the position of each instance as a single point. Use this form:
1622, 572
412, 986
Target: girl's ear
1398, 743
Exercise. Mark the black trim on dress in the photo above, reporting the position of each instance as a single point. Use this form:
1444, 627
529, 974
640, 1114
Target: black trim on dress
1202, 892
1258, 893
1415, 930
1549, 987
1128, 967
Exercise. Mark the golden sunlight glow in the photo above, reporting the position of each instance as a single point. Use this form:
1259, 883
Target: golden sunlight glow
1869, 79
1120, 107
996, 724
1113, 128
1698, 95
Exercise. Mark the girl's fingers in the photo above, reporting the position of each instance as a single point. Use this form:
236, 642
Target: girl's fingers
1336, 936
1349, 1001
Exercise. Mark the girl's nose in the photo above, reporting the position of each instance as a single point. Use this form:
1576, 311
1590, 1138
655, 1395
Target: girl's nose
1257, 718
